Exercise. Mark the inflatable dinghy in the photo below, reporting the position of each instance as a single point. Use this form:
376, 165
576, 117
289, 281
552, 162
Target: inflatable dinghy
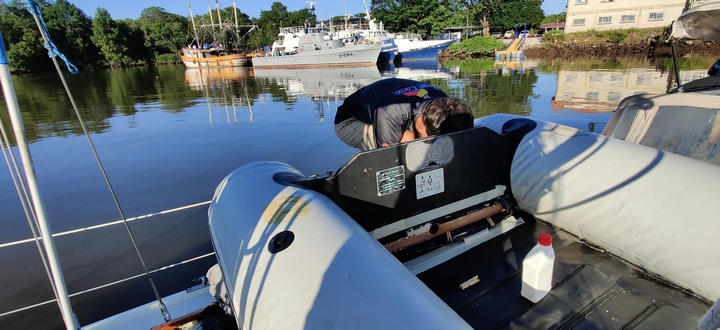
432, 233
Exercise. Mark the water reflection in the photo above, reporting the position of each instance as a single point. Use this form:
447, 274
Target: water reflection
161, 132
418, 70
199, 78
489, 89
321, 84
602, 90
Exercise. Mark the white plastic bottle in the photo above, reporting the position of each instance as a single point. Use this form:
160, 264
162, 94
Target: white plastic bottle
537, 269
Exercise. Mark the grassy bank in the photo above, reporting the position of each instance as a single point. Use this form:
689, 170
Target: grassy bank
594, 37
473, 47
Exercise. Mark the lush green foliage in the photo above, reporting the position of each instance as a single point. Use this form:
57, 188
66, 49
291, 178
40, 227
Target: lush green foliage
553, 36
617, 36
156, 36
509, 13
106, 36
487, 90
167, 58
105, 41
425, 17
476, 45
164, 32
71, 30
594, 37
554, 18
430, 17
270, 21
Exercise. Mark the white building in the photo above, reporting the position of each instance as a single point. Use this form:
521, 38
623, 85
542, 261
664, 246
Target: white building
583, 15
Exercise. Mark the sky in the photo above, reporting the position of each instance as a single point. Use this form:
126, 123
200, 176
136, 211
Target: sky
324, 8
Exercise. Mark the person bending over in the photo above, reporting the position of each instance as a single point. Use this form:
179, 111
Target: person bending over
392, 111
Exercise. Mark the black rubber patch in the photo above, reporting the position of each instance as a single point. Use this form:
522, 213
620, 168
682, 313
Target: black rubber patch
281, 241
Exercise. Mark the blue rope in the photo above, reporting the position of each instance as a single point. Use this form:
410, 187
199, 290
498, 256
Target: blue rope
53, 50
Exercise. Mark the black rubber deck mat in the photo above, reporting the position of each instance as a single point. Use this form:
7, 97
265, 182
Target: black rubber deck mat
591, 289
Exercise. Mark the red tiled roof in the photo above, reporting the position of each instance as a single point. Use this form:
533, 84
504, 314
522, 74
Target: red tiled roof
552, 25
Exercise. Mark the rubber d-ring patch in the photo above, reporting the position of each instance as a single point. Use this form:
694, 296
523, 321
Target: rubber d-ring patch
281, 241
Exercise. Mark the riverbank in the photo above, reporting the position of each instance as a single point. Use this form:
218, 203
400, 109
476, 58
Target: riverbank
630, 42
475, 47
651, 48
611, 43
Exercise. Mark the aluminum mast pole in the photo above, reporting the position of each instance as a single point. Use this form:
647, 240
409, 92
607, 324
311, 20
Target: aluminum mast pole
192, 19
217, 7
69, 318
235, 12
212, 23
237, 34
220, 27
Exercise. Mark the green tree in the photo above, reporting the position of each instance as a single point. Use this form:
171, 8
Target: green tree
426, 17
554, 18
71, 31
270, 22
298, 17
24, 45
106, 36
488, 91
134, 38
480, 11
165, 33
511, 12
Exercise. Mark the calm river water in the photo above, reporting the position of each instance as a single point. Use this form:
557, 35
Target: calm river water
168, 135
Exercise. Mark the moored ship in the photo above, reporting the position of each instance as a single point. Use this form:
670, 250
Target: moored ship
318, 49
194, 57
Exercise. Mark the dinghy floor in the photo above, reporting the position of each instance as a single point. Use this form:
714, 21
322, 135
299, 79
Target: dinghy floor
591, 289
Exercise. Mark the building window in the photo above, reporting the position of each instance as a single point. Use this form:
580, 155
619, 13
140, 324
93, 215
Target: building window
614, 97
657, 16
592, 96
643, 79
579, 21
627, 19
605, 20
581, 2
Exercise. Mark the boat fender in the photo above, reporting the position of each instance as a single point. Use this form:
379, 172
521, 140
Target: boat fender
218, 289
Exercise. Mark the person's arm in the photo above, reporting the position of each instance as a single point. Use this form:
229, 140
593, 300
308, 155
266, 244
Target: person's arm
390, 125
407, 136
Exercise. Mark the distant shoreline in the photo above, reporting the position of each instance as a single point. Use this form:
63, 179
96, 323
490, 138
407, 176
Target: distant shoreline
651, 48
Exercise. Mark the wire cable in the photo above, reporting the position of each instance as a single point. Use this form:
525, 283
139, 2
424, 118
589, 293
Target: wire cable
20, 184
35, 11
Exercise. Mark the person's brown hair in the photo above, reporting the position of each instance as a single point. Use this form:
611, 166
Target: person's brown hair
446, 115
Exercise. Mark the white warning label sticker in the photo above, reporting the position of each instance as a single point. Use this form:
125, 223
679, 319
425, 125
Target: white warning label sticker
429, 183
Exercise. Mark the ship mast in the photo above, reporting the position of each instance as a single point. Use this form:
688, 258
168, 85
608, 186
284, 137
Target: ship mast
212, 23
192, 19
237, 34
371, 22
220, 27
217, 7
346, 15
57, 279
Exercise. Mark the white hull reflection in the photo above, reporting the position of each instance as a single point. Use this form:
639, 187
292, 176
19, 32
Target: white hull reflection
321, 83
